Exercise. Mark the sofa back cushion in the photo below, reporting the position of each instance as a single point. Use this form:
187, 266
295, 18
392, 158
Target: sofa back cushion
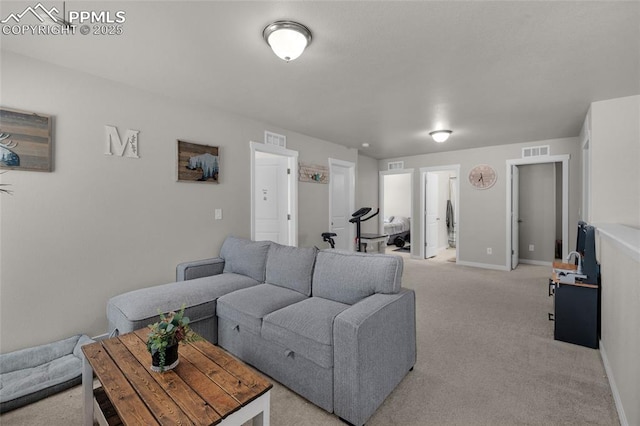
348, 277
245, 257
291, 267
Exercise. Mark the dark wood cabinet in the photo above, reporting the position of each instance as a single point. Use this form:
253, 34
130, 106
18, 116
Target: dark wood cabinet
576, 314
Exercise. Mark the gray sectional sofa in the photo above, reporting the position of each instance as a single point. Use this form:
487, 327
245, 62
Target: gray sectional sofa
335, 327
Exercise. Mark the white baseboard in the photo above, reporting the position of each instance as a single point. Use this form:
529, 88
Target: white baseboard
483, 265
614, 388
536, 262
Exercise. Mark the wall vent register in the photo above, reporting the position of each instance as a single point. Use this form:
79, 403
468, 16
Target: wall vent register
271, 138
536, 151
395, 165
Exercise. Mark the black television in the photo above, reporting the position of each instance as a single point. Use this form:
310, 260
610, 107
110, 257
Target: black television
586, 246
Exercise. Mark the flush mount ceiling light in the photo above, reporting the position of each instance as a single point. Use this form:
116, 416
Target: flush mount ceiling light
440, 135
287, 39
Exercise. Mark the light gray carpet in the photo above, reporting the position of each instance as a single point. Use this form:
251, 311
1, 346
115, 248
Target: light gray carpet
486, 356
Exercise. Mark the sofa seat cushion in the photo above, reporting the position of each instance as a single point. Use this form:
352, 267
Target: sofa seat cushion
305, 328
139, 308
245, 257
248, 306
291, 267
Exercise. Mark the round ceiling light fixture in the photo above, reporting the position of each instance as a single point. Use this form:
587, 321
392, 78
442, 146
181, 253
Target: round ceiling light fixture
440, 135
287, 39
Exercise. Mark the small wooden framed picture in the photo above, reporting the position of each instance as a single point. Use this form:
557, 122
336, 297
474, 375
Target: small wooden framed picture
25, 140
198, 163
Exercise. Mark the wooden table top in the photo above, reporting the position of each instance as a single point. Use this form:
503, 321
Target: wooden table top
207, 385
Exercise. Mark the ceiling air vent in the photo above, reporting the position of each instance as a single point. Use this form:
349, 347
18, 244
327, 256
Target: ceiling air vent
395, 165
271, 138
536, 151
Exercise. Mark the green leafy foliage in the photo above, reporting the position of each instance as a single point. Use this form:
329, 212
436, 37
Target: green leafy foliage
172, 329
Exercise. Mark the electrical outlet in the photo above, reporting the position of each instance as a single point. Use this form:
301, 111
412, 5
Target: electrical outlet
531, 248
218, 214
489, 250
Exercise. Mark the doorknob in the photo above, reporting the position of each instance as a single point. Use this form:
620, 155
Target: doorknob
519, 220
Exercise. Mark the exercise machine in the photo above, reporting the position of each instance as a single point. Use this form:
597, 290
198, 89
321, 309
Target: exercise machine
327, 237
358, 217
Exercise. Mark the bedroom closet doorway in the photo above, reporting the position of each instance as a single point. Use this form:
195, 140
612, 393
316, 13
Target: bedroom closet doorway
440, 206
274, 194
522, 189
396, 208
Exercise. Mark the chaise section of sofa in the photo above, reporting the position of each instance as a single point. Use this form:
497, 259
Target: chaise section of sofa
241, 264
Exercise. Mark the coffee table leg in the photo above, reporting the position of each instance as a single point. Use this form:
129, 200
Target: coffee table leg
262, 419
87, 391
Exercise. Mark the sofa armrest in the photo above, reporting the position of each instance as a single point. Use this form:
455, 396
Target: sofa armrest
199, 268
374, 348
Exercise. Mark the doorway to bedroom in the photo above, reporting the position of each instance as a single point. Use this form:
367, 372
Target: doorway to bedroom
396, 208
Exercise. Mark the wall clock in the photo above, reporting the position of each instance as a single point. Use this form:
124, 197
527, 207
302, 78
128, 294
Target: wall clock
482, 176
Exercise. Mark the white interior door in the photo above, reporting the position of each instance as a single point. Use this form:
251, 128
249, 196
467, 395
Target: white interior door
271, 201
515, 216
431, 215
341, 202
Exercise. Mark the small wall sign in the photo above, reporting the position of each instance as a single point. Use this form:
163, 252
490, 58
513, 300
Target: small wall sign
313, 173
115, 145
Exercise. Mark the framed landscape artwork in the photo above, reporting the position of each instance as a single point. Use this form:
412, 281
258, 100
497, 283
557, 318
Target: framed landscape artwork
25, 140
198, 163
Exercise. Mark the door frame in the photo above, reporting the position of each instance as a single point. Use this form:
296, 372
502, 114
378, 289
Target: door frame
292, 190
515, 236
564, 159
352, 195
381, 176
423, 204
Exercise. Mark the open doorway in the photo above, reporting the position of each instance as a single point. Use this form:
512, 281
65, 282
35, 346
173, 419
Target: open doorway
539, 213
440, 206
274, 195
537, 210
396, 208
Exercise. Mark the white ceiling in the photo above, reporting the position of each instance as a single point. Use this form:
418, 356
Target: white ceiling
382, 72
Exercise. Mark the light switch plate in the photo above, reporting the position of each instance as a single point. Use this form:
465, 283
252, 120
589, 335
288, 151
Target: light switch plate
218, 214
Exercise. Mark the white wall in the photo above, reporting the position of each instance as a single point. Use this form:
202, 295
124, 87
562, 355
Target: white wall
482, 221
620, 327
614, 126
367, 192
102, 225
397, 195
615, 160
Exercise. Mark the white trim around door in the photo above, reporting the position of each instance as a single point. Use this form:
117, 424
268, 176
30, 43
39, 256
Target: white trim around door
423, 205
564, 159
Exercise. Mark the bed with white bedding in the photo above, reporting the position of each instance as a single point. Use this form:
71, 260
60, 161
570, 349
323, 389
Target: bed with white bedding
398, 229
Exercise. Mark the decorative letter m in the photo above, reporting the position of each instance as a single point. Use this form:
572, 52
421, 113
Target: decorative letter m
120, 148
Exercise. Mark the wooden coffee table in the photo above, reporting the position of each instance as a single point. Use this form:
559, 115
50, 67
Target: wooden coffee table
208, 387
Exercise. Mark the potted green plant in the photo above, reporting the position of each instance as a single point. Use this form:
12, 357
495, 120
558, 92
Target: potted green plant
164, 337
